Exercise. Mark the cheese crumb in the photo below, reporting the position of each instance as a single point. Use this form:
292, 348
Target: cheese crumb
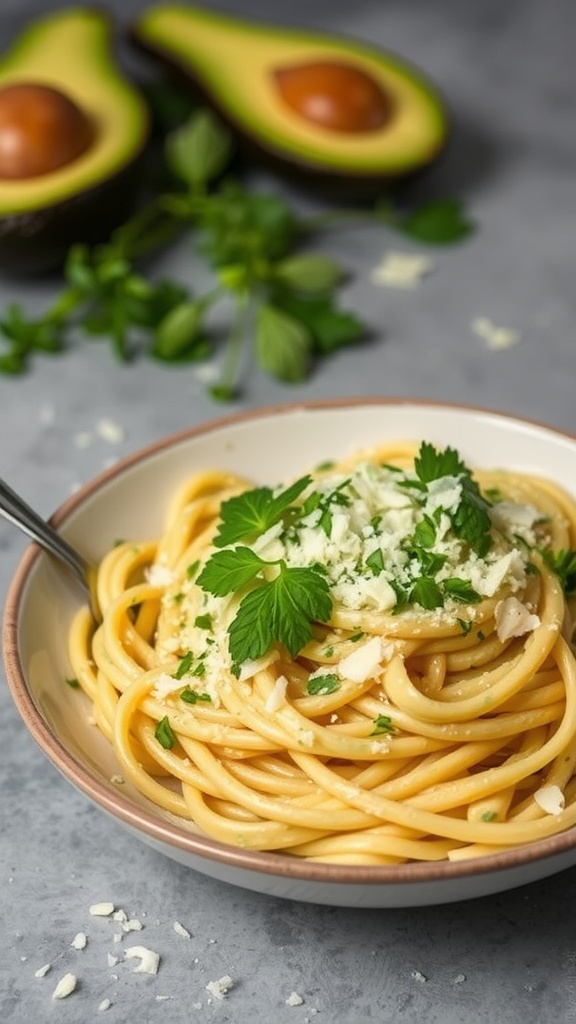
102, 909
79, 941
402, 269
277, 696
65, 986
105, 1004
181, 930
550, 799
513, 619
220, 988
149, 960
495, 337
110, 431
294, 999
418, 976
159, 575
42, 971
112, 960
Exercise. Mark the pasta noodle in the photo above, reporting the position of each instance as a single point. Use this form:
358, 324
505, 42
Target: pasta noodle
428, 712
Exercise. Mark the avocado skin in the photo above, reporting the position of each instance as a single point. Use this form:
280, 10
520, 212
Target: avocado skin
37, 242
333, 185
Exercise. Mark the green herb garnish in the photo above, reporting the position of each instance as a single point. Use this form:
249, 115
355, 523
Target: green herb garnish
278, 610
563, 563
72, 683
323, 684
164, 733
257, 248
250, 514
190, 696
383, 725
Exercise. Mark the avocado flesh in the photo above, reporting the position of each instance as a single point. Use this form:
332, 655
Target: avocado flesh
233, 62
41, 216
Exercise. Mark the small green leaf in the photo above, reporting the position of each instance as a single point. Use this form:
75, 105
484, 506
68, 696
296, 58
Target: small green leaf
330, 328
382, 725
184, 665
190, 696
375, 561
203, 621
178, 330
427, 593
328, 682
73, 683
282, 611
164, 733
439, 221
230, 570
308, 273
461, 590
200, 149
283, 345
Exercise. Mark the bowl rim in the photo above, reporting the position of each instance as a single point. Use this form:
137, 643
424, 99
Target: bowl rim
167, 831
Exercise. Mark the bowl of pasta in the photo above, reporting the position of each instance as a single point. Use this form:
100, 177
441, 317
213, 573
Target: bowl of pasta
334, 660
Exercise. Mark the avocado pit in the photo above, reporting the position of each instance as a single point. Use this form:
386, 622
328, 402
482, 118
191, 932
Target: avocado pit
335, 95
41, 130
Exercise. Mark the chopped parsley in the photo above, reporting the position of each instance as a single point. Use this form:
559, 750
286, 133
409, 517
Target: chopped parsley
323, 684
383, 726
73, 683
190, 696
563, 563
165, 734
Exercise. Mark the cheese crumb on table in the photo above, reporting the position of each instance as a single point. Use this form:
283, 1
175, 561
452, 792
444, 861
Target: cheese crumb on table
105, 1004
181, 930
495, 337
42, 971
79, 941
402, 269
149, 960
220, 988
65, 986
102, 909
294, 999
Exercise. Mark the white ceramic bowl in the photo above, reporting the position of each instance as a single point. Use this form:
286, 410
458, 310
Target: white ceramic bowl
129, 500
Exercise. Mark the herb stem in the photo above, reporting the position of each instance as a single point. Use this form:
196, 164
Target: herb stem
226, 388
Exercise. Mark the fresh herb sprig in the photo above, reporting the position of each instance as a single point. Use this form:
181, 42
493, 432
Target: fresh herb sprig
280, 292
279, 608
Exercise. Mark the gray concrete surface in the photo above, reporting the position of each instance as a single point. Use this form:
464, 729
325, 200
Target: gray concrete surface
508, 72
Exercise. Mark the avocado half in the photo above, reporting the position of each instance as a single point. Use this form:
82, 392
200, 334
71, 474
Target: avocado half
256, 78
43, 215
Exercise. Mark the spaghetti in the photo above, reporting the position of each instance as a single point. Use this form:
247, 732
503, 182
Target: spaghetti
371, 665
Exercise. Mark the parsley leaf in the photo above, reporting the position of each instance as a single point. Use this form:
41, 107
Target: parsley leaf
431, 464
382, 725
230, 570
329, 682
563, 563
165, 734
461, 590
255, 511
280, 610
190, 696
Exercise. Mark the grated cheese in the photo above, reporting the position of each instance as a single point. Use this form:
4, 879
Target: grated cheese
102, 909
495, 337
181, 930
402, 269
220, 988
513, 619
294, 999
65, 986
79, 941
149, 960
550, 799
